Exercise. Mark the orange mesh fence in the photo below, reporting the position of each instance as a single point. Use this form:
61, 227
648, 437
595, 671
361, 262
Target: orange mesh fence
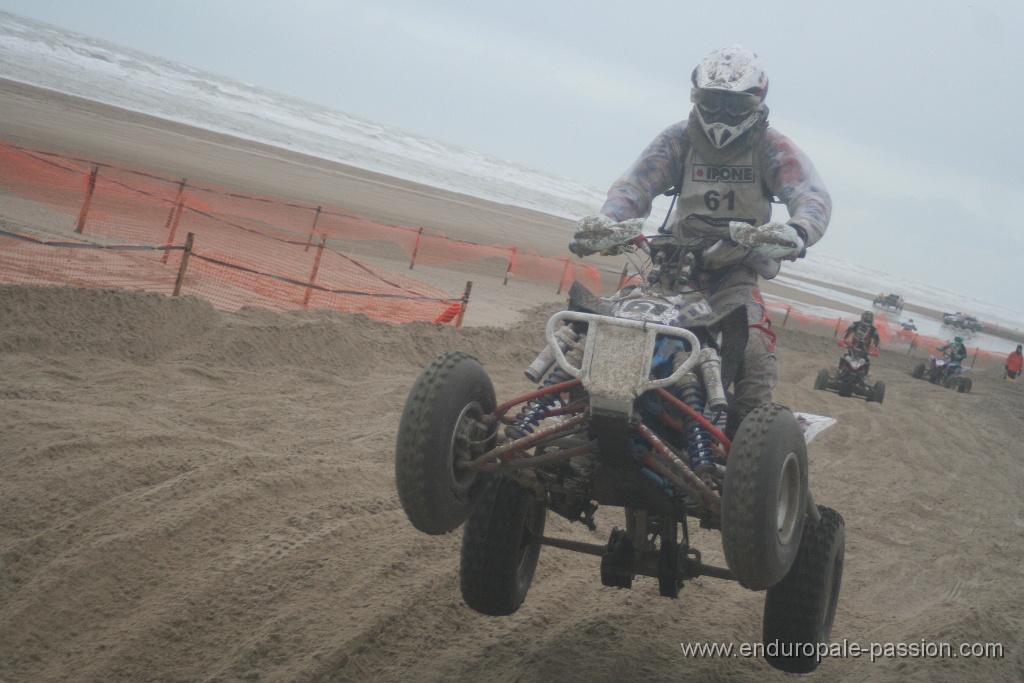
30, 260
249, 250
334, 281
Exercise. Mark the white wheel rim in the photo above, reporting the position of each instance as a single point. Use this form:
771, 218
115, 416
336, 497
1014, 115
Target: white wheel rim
788, 499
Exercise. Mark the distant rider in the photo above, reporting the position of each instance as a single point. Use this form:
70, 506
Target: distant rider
726, 165
1014, 363
863, 335
909, 326
955, 352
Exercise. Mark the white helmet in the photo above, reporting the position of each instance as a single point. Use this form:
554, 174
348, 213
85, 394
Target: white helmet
729, 86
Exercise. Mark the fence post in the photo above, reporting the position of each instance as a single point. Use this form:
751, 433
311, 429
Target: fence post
976, 349
416, 248
465, 304
184, 264
913, 344
622, 276
316, 219
83, 214
839, 321
316, 267
788, 309
565, 271
174, 216
511, 261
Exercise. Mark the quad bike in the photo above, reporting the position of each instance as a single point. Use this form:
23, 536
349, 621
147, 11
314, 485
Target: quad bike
628, 413
850, 377
946, 372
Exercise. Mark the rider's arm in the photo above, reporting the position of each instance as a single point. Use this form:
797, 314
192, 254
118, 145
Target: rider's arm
790, 176
654, 172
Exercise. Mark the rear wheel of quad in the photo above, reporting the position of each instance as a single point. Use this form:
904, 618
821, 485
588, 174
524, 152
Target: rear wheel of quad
800, 609
500, 548
918, 372
764, 496
441, 427
877, 392
821, 381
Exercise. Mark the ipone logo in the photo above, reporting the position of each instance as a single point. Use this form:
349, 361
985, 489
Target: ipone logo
723, 174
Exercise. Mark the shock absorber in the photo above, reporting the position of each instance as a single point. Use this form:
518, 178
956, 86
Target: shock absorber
698, 441
533, 410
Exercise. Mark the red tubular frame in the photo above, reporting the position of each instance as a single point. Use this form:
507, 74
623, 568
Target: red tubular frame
701, 420
509, 449
685, 476
500, 411
543, 459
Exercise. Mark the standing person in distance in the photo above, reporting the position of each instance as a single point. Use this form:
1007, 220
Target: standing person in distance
1014, 363
725, 165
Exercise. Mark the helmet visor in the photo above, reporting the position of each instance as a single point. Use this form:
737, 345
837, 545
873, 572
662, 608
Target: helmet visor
719, 103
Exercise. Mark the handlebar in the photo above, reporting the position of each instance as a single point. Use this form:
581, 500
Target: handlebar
842, 343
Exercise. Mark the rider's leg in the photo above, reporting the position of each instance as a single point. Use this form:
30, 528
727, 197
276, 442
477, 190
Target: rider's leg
760, 371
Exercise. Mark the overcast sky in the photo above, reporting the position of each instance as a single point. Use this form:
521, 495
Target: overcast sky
911, 109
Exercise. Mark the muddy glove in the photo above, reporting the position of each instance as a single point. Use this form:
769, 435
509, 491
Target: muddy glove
602, 234
775, 240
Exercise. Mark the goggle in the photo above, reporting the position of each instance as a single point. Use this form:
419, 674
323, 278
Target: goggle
720, 101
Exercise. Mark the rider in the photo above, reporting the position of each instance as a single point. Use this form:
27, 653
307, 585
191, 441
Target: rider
726, 165
909, 326
862, 334
955, 352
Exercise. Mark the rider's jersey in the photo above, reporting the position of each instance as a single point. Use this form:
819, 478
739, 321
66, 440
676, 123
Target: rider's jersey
712, 194
954, 351
736, 183
863, 333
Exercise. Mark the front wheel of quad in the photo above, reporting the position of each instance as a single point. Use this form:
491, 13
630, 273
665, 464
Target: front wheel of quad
877, 392
500, 548
443, 425
821, 381
764, 496
965, 385
800, 609
918, 372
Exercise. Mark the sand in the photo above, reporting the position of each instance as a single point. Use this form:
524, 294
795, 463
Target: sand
195, 495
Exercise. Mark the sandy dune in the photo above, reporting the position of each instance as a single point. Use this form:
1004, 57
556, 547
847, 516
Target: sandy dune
193, 495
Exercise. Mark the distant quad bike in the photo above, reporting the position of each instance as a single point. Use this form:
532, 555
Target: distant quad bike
850, 377
893, 301
627, 414
945, 372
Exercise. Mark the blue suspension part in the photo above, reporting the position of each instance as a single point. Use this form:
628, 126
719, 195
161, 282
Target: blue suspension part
698, 441
532, 412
